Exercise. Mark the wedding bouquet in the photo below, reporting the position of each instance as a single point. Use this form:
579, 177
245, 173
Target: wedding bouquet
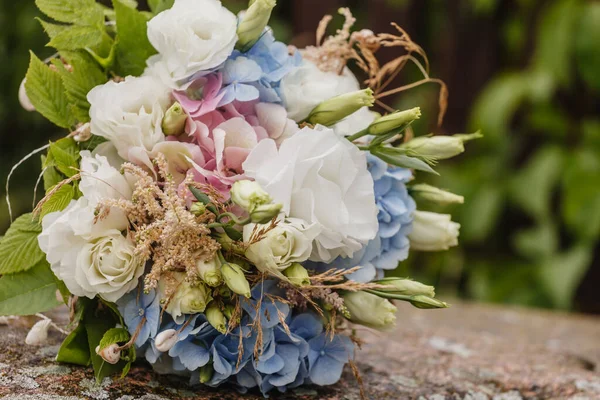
225, 206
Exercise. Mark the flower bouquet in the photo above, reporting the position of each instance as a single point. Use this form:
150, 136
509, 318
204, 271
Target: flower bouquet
225, 206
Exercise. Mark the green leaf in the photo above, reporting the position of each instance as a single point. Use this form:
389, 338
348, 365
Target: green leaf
46, 91
532, 187
204, 199
97, 321
92, 143
52, 30
114, 335
65, 155
75, 348
19, 250
58, 201
158, 6
76, 37
85, 74
538, 242
83, 12
132, 47
29, 292
480, 212
586, 45
561, 274
581, 197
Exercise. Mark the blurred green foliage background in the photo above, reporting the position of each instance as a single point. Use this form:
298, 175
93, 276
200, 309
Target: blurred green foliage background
525, 72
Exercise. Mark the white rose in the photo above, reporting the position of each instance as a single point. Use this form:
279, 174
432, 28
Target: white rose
306, 86
90, 258
192, 36
320, 178
187, 299
433, 232
289, 242
129, 113
100, 180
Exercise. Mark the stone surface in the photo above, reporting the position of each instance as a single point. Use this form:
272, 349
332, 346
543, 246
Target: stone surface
467, 352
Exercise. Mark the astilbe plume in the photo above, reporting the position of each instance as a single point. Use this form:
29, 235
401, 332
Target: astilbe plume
165, 231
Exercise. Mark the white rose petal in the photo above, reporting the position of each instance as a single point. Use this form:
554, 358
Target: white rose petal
38, 333
192, 36
320, 178
129, 113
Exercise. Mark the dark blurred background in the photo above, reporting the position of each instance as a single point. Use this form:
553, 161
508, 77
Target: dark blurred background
525, 72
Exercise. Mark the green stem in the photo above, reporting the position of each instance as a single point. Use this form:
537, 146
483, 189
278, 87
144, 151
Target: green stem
358, 135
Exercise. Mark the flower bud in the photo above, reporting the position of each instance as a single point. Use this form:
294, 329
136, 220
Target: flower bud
206, 373
24, 99
425, 302
229, 310
264, 213
248, 194
297, 274
198, 208
370, 310
253, 23
435, 195
165, 340
405, 287
216, 317
393, 122
339, 107
435, 147
174, 120
433, 231
234, 278
38, 333
111, 354
210, 272
187, 299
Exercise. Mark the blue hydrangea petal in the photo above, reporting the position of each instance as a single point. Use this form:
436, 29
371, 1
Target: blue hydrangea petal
326, 371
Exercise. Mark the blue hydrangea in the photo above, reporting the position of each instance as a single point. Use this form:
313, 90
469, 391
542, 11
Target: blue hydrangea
395, 217
327, 357
257, 73
133, 307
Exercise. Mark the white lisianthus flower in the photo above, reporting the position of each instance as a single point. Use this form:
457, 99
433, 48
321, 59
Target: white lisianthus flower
129, 113
306, 86
320, 178
291, 241
433, 232
187, 299
192, 36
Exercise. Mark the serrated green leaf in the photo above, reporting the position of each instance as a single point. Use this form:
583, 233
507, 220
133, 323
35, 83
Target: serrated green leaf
158, 6
76, 37
52, 30
75, 348
92, 143
114, 335
84, 12
51, 176
46, 92
19, 250
65, 155
28, 292
85, 74
58, 201
132, 47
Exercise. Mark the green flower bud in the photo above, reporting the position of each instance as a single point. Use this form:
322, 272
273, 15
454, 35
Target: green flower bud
406, 287
188, 298
435, 195
248, 194
393, 122
337, 108
198, 208
210, 272
254, 23
434, 147
216, 317
174, 120
229, 310
225, 292
206, 373
370, 310
424, 302
297, 274
234, 278
264, 213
